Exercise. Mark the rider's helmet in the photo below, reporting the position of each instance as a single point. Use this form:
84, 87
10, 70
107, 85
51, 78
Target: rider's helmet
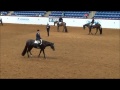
92, 17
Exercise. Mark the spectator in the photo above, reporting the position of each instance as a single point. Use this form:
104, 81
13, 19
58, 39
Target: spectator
48, 28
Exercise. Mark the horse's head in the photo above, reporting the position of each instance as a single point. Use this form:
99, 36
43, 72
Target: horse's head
52, 46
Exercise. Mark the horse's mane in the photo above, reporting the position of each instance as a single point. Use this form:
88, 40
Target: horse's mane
47, 42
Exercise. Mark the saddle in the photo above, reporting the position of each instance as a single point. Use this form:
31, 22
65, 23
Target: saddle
37, 42
59, 23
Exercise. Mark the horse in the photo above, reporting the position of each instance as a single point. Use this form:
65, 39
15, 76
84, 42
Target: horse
61, 24
97, 26
31, 44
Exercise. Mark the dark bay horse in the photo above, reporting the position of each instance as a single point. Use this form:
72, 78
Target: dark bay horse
62, 24
97, 26
31, 44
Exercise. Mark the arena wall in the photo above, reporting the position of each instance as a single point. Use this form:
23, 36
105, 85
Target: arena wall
115, 24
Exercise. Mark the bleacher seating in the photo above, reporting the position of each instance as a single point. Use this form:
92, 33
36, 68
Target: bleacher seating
115, 15
69, 14
29, 13
107, 15
3, 13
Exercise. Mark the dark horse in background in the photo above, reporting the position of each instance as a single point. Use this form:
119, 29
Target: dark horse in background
1, 22
62, 24
31, 44
97, 26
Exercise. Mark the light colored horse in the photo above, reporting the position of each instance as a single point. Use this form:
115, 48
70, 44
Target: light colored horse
61, 24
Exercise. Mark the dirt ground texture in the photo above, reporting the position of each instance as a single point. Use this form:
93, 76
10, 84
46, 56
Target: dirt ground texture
77, 55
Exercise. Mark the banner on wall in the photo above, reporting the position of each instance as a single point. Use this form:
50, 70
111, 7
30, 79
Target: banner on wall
53, 19
23, 19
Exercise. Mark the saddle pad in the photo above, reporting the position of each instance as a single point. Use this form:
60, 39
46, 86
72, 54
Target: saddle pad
60, 22
36, 41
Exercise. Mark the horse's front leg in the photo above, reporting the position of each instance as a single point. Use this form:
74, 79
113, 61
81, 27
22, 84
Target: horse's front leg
58, 28
29, 50
96, 30
89, 31
40, 53
63, 29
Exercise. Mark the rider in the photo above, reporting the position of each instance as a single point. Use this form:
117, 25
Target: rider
38, 38
92, 22
60, 19
48, 28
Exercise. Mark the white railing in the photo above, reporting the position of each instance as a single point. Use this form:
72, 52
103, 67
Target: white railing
115, 24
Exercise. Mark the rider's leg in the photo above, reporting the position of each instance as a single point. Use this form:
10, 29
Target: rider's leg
91, 24
40, 41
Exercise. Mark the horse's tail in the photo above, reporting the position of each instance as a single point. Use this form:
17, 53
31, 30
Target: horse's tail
65, 24
66, 29
25, 49
84, 27
54, 23
100, 30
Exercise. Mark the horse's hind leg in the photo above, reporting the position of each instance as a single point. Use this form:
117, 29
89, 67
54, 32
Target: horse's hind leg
44, 54
2, 23
100, 30
29, 51
66, 29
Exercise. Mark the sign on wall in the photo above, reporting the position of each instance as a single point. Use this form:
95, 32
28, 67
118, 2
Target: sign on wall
23, 19
51, 19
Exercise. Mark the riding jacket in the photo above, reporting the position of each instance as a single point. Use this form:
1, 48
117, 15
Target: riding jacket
48, 26
92, 21
38, 36
60, 19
